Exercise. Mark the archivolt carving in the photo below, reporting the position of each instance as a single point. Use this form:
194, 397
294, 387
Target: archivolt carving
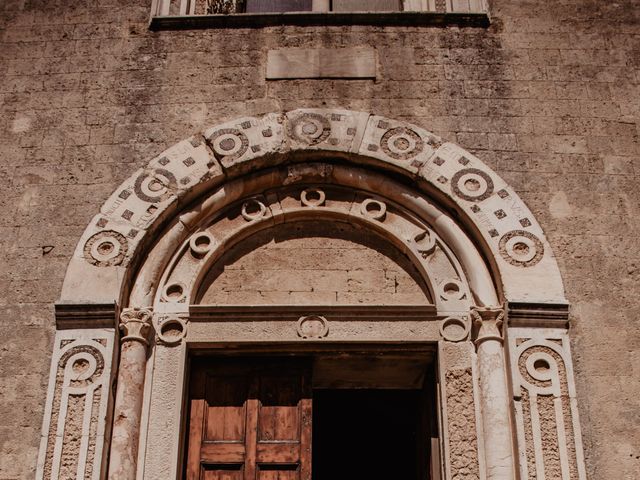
401, 143
545, 403
434, 260
489, 209
228, 144
74, 421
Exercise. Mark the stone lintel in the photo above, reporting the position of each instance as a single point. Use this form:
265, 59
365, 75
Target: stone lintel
86, 315
333, 312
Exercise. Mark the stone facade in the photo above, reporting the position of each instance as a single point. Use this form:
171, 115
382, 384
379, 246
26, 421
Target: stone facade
546, 97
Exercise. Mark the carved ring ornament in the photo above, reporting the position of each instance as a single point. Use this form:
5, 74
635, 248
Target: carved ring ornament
171, 329
454, 329
313, 327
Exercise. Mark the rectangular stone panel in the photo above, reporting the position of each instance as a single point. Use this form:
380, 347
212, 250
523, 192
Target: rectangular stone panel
321, 63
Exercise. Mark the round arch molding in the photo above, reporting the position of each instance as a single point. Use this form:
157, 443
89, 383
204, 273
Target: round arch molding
420, 194
493, 215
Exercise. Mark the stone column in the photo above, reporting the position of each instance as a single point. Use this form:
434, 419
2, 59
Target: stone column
494, 397
135, 324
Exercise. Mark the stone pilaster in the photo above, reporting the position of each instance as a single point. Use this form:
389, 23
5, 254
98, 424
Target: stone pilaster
544, 394
75, 426
135, 325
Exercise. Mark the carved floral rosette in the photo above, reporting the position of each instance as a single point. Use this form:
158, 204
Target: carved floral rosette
546, 412
74, 426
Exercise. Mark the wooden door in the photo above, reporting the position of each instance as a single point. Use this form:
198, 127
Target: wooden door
250, 420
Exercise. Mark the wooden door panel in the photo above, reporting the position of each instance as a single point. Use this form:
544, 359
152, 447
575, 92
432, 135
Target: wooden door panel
279, 418
222, 472
278, 453
250, 421
222, 453
284, 472
226, 424
279, 424
226, 397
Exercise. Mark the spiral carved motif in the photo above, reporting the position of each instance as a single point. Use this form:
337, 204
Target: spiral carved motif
83, 365
539, 368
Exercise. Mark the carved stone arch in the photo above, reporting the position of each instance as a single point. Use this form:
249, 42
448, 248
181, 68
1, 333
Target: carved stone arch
494, 216
155, 238
281, 198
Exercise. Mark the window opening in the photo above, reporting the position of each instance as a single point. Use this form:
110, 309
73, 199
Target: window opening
234, 13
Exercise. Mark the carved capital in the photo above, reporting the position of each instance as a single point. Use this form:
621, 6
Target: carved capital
488, 322
135, 325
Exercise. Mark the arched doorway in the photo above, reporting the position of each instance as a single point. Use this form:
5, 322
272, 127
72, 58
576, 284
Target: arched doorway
465, 238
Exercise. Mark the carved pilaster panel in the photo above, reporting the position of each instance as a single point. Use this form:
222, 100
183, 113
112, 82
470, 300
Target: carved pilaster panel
75, 421
459, 411
546, 413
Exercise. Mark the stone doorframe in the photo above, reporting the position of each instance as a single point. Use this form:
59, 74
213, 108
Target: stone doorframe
498, 313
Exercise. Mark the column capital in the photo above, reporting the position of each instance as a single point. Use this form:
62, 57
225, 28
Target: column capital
488, 322
135, 325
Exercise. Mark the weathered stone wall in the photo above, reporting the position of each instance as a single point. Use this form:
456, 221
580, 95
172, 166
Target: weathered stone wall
548, 96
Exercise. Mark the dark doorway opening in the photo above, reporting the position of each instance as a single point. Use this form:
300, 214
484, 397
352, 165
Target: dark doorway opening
372, 434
